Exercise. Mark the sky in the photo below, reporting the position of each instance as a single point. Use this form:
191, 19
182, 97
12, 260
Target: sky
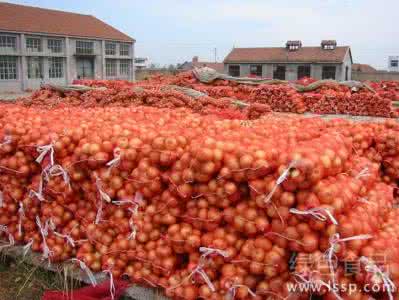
173, 31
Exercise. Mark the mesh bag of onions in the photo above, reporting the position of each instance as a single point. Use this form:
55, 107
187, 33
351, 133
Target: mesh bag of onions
205, 208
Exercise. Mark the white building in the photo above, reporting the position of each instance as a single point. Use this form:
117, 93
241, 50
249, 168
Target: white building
141, 63
42, 45
292, 62
393, 64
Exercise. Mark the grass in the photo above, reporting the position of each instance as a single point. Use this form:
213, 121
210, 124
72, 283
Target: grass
21, 281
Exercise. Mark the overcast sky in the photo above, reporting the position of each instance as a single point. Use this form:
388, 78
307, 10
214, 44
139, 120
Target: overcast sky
172, 31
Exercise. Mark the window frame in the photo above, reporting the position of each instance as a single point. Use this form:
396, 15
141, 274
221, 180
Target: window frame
234, 73
278, 73
325, 74
305, 72
55, 48
394, 63
38, 60
139, 60
259, 70
110, 65
110, 48
124, 63
84, 47
56, 67
34, 44
328, 47
7, 45
8, 68
124, 51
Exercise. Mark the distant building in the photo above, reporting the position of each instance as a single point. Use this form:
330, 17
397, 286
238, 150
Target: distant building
142, 63
292, 62
42, 45
195, 63
363, 68
393, 64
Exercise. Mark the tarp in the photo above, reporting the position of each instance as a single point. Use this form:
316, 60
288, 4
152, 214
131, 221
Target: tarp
71, 88
208, 75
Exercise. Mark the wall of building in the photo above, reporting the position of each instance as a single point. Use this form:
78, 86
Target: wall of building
375, 76
73, 58
69, 62
118, 58
390, 67
142, 74
291, 71
347, 63
45, 55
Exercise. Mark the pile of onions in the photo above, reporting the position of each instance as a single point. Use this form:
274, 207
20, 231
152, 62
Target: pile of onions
202, 207
224, 99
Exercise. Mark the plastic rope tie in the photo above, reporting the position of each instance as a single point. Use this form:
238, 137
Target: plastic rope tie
84, 268
21, 213
280, 180
111, 284
373, 268
44, 233
39, 193
208, 251
316, 213
11, 241
116, 160
334, 241
6, 140
232, 291
58, 170
27, 247
43, 151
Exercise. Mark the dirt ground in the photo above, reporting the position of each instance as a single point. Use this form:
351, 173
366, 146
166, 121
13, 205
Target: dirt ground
12, 96
20, 281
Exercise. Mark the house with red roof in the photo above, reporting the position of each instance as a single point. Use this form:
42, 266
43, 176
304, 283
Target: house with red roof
292, 62
40, 45
196, 63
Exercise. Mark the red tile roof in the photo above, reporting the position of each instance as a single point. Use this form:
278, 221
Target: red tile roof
282, 55
363, 68
21, 18
216, 66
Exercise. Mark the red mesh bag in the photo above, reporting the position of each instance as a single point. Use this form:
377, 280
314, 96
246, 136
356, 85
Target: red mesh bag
98, 292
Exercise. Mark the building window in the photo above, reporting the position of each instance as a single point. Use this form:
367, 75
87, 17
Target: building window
140, 60
293, 47
34, 44
328, 72
110, 49
234, 71
84, 47
303, 71
35, 67
110, 68
8, 67
279, 72
55, 46
56, 67
255, 70
124, 67
394, 63
9, 42
124, 50
328, 47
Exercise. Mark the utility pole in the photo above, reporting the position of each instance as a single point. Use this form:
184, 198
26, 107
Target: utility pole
216, 54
